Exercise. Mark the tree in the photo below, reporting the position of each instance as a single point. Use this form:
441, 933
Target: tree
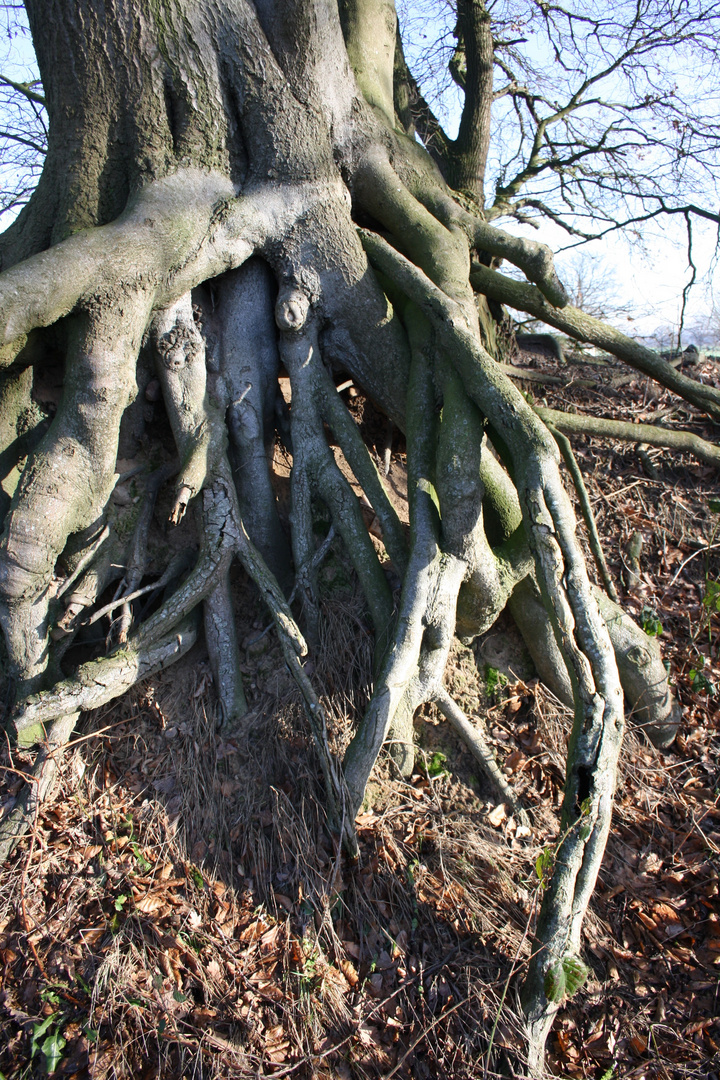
23, 132
247, 192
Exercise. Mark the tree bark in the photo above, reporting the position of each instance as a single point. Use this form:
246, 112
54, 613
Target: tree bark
199, 212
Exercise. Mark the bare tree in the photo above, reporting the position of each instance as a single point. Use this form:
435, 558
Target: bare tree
595, 117
247, 191
23, 127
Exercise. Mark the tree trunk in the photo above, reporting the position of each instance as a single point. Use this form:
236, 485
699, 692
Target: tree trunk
196, 227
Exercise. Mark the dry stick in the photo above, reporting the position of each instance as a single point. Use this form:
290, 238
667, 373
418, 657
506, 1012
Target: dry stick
582, 424
586, 509
482, 753
23, 879
174, 569
683, 564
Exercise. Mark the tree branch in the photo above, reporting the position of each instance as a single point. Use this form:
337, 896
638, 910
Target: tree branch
26, 89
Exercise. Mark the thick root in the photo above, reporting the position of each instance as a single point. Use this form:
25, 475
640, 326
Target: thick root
100, 681
222, 646
67, 483
649, 704
669, 438
247, 364
300, 352
580, 631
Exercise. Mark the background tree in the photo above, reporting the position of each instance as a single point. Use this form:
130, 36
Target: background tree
247, 193
23, 130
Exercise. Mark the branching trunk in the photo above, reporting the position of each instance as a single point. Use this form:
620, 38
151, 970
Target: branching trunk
199, 210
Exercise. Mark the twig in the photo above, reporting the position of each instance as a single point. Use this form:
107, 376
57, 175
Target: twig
701, 551
423, 1034
174, 568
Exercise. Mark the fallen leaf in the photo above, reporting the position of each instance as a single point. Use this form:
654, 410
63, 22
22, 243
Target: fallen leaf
498, 815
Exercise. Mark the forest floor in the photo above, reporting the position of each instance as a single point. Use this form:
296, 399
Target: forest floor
180, 910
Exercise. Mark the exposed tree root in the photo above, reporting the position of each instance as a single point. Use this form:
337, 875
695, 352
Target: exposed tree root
669, 438
582, 327
580, 631
476, 537
586, 509
76, 456
244, 353
58, 709
649, 703
14, 826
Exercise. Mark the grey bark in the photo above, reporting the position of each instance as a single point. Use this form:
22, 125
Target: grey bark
230, 162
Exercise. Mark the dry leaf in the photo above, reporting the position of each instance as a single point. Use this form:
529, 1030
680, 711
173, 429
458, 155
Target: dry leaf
497, 815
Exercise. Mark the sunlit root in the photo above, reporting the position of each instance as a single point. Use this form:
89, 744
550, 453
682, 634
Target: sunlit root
550, 528
669, 438
586, 510
67, 483
425, 622
181, 369
649, 704
582, 327
648, 699
168, 223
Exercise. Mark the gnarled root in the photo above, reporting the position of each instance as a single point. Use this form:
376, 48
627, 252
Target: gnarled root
68, 481
317, 468
649, 704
